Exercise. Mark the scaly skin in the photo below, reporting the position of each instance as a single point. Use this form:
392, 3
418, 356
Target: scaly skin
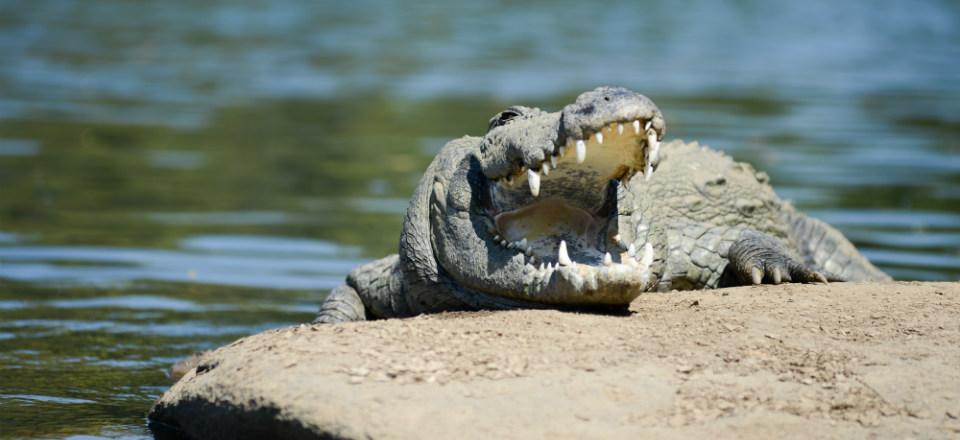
615, 227
700, 203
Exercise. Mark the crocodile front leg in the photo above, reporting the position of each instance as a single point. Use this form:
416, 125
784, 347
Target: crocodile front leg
757, 258
374, 290
702, 256
343, 304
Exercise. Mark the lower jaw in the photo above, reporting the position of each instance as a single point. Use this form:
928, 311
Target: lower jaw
539, 229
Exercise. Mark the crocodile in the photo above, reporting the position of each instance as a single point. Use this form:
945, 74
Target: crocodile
587, 208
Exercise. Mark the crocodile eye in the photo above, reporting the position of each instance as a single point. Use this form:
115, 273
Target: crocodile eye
503, 117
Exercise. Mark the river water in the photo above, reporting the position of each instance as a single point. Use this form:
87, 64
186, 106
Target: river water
176, 175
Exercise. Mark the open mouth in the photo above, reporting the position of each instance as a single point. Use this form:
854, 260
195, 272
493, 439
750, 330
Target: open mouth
562, 213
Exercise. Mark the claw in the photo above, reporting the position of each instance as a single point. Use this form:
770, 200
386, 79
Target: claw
821, 278
777, 278
756, 275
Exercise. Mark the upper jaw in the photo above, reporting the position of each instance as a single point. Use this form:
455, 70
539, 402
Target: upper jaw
530, 147
623, 147
597, 108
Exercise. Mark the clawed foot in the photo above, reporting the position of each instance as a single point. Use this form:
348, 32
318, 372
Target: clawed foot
758, 259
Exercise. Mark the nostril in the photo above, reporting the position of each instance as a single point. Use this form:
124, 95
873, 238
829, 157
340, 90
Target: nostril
606, 98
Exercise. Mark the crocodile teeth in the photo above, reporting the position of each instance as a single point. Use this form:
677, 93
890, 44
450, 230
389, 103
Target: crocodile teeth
647, 258
546, 168
533, 178
581, 151
607, 259
653, 152
631, 250
553, 160
619, 128
653, 143
562, 151
599, 138
541, 266
636, 126
648, 124
562, 256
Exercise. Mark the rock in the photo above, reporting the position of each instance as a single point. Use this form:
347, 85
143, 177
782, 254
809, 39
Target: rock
536, 374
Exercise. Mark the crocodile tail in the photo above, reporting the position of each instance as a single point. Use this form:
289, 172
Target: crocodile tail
827, 250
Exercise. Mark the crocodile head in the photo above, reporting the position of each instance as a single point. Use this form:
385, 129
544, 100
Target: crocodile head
548, 199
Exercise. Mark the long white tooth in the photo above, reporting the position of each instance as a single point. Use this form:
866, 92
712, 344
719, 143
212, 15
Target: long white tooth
533, 178
541, 266
599, 138
581, 151
562, 151
607, 259
546, 169
553, 160
636, 126
648, 124
647, 172
562, 256
619, 128
647, 258
522, 243
645, 262
631, 250
653, 152
653, 144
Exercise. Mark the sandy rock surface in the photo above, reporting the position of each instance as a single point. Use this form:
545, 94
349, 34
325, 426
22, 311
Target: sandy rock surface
792, 361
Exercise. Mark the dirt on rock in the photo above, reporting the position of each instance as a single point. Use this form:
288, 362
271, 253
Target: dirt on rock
793, 361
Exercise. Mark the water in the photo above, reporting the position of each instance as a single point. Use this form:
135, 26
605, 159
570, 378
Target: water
176, 175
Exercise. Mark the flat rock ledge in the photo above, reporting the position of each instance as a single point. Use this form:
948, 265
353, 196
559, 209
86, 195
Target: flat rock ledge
844, 360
